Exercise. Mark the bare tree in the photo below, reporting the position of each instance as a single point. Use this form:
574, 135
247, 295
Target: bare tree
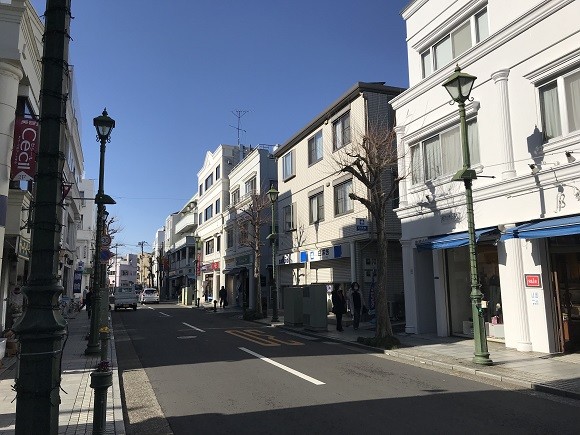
251, 218
372, 160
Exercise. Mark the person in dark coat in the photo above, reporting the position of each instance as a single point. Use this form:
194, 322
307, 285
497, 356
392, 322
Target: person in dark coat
223, 294
338, 305
89, 302
357, 303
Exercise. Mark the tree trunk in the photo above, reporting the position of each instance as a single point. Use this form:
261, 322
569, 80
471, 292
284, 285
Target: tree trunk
384, 327
257, 283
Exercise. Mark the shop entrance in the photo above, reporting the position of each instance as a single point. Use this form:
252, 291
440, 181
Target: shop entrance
566, 295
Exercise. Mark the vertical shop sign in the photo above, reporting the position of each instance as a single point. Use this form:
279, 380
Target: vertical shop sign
23, 162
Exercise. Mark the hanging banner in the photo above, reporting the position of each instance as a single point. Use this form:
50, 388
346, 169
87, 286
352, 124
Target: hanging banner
23, 162
77, 280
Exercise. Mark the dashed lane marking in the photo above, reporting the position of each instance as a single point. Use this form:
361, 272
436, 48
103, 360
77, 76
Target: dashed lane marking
262, 338
192, 327
163, 314
185, 337
283, 367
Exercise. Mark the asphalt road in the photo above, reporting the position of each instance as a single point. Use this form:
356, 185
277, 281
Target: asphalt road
186, 371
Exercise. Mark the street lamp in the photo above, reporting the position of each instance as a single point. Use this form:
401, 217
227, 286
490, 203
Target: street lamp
459, 86
104, 125
196, 266
102, 377
273, 194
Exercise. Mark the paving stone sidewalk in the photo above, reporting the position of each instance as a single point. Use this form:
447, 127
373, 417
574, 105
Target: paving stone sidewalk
76, 408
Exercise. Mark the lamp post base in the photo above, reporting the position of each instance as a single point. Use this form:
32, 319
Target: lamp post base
482, 359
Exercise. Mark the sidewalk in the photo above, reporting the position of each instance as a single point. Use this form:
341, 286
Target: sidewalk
76, 408
557, 374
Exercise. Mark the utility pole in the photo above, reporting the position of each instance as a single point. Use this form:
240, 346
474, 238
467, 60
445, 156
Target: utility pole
41, 328
141, 262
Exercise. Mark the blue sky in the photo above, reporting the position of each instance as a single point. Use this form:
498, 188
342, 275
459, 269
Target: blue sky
170, 73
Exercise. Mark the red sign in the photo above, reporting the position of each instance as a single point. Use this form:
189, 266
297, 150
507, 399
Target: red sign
533, 280
198, 265
23, 162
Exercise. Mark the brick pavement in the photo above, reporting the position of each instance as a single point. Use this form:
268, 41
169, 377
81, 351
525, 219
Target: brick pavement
76, 408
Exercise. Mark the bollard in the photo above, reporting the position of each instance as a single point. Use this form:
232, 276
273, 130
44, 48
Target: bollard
215, 305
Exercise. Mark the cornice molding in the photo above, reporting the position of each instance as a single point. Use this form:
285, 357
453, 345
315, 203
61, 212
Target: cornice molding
477, 52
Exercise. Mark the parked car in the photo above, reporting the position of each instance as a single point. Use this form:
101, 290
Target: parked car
125, 297
149, 295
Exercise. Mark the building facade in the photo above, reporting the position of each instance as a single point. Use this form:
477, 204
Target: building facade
249, 205
523, 128
325, 237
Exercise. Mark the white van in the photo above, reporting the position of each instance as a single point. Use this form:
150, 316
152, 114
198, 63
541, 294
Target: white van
125, 297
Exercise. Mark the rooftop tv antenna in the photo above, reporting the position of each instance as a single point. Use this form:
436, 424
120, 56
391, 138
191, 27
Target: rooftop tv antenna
238, 114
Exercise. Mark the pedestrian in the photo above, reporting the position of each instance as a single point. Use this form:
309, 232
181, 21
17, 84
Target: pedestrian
223, 294
356, 303
338, 305
89, 302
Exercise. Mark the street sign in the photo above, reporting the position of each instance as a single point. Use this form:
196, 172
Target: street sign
106, 240
361, 224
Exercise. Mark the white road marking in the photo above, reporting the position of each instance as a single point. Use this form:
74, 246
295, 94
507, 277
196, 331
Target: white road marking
193, 327
163, 314
185, 337
283, 367
149, 308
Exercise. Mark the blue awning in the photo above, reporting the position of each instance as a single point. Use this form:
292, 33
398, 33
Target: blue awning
563, 226
455, 240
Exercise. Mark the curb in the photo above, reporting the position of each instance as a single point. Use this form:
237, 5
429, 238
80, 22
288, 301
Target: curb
535, 386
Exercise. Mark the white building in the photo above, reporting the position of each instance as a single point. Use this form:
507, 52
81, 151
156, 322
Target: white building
86, 233
213, 197
325, 237
123, 270
525, 111
253, 175
158, 251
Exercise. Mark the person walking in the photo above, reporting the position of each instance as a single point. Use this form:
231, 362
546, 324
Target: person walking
223, 294
338, 305
89, 302
356, 304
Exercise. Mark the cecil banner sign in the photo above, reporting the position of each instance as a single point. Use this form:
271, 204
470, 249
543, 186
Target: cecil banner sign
23, 162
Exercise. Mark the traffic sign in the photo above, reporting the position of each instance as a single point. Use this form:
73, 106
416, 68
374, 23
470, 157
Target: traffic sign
106, 240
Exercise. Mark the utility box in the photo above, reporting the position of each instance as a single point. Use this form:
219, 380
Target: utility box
186, 296
293, 306
315, 308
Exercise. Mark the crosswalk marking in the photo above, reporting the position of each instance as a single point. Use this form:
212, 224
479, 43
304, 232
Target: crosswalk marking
261, 338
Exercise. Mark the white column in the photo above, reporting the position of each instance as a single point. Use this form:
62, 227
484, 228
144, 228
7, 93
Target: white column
500, 78
353, 274
10, 76
515, 310
409, 287
402, 164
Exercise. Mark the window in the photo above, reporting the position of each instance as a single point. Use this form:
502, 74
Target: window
289, 214
235, 196
341, 131
315, 148
442, 154
244, 232
454, 44
218, 174
218, 243
218, 205
288, 166
342, 202
200, 218
317, 207
209, 247
230, 238
209, 182
200, 189
208, 213
562, 94
251, 186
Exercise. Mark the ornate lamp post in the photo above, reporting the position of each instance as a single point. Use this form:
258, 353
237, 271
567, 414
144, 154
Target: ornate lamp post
273, 194
104, 125
102, 377
196, 264
459, 86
